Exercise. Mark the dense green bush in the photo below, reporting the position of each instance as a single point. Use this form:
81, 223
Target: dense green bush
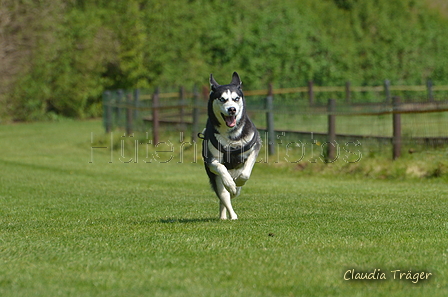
60, 55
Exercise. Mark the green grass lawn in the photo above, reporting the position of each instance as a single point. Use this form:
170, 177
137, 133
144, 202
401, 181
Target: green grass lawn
73, 228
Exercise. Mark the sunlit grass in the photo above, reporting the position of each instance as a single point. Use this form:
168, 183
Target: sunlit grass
74, 228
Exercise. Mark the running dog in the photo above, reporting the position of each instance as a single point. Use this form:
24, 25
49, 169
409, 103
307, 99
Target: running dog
231, 143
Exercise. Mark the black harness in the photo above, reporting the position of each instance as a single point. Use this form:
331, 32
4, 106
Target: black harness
232, 156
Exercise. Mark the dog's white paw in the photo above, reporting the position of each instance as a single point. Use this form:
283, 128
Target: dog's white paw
241, 180
234, 218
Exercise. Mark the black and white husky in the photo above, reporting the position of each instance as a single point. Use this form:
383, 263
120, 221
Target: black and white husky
231, 143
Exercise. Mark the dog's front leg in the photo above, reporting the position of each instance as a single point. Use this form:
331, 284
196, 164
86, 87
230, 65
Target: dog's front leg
247, 169
225, 203
222, 210
227, 180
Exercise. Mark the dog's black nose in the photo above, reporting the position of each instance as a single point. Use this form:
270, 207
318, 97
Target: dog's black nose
231, 111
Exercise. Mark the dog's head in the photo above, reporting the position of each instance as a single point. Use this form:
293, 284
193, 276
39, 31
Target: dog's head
227, 101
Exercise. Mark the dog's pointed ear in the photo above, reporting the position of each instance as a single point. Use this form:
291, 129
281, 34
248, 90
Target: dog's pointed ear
236, 80
213, 83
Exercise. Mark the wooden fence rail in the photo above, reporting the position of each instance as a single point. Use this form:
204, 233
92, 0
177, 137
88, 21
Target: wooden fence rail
116, 102
348, 89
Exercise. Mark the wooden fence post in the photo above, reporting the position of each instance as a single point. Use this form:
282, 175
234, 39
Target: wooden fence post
182, 108
107, 109
129, 112
331, 148
387, 90
155, 117
195, 126
396, 121
136, 103
430, 93
270, 120
311, 92
118, 108
347, 92
205, 93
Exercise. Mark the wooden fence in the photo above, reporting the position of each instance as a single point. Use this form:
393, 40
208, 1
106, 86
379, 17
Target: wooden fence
189, 106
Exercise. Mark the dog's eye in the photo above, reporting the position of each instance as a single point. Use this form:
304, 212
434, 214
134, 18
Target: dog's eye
222, 99
236, 99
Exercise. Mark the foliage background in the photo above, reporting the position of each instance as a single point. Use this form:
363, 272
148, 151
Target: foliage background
57, 57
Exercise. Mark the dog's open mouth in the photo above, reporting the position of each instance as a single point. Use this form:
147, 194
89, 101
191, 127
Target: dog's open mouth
230, 120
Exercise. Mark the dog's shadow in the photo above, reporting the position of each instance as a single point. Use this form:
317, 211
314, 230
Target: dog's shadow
186, 221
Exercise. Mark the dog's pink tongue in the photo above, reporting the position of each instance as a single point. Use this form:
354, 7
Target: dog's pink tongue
230, 121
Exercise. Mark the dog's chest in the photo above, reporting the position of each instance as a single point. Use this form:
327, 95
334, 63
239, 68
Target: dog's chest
228, 143
234, 152
233, 159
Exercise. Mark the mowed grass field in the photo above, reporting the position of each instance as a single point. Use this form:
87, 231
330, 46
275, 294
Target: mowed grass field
73, 228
